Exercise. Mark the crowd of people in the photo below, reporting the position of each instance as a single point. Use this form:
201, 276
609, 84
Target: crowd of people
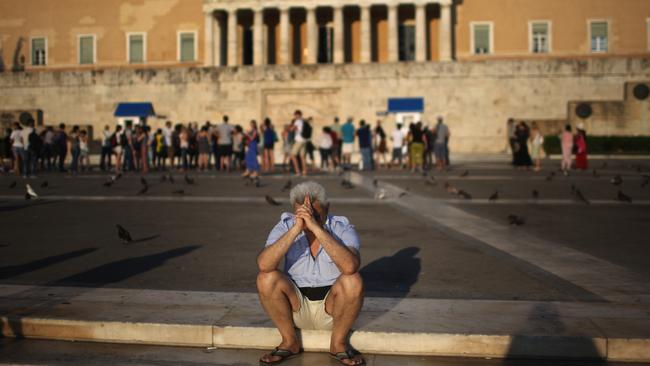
527, 146
227, 147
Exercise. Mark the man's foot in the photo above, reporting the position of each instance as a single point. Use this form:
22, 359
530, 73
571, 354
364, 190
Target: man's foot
280, 354
348, 358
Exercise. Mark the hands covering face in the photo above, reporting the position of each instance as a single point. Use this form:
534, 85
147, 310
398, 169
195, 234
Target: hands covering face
306, 216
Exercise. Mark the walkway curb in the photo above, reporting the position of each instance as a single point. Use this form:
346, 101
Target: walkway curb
423, 344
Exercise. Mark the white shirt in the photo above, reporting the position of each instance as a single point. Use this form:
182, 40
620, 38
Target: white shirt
225, 133
106, 138
325, 141
17, 138
398, 139
167, 133
26, 132
299, 123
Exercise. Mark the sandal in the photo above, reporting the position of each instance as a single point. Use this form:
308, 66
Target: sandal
347, 355
283, 354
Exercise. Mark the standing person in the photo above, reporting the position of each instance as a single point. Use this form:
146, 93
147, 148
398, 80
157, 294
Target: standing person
337, 146
238, 146
143, 149
84, 159
129, 149
61, 143
299, 145
184, 142
307, 129
252, 139
287, 143
440, 143
105, 160
119, 142
17, 148
581, 147
566, 140
29, 149
397, 137
512, 138
325, 144
418, 142
5, 152
224, 133
522, 157
137, 145
348, 133
536, 143
75, 150
270, 139
203, 140
379, 141
176, 147
168, 149
365, 146
158, 147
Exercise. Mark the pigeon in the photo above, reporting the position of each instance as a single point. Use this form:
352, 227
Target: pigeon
118, 176
464, 194
163, 178
623, 197
639, 169
402, 194
465, 173
143, 181
494, 196
170, 178
13, 184
271, 201
431, 181
143, 190
257, 183
108, 183
30, 192
45, 184
645, 182
617, 180
515, 220
178, 191
581, 197
573, 190
375, 183
189, 180
347, 184
550, 176
535, 194
287, 186
124, 235
595, 174
381, 194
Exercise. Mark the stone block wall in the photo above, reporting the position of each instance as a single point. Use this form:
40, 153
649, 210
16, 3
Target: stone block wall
476, 98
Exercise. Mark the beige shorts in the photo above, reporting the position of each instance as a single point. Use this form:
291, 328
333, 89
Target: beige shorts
312, 315
298, 148
348, 147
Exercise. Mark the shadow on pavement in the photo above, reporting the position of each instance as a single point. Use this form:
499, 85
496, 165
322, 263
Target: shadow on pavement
392, 276
19, 206
16, 270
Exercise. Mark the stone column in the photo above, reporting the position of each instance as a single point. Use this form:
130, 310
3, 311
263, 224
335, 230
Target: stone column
209, 47
338, 35
312, 36
365, 34
393, 42
420, 33
258, 39
285, 58
444, 41
232, 38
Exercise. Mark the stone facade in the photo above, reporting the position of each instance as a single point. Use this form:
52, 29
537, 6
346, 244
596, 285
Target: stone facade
476, 98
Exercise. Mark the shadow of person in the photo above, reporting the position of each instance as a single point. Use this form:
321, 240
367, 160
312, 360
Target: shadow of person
545, 336
392, 276
16, 270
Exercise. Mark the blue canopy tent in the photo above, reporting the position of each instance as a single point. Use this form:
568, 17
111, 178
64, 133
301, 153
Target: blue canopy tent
406, 110
136, 113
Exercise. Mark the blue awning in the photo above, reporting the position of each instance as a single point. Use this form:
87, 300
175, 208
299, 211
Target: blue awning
134, 110
401, 105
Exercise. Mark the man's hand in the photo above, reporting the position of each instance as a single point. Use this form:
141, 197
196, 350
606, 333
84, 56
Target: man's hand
305, 213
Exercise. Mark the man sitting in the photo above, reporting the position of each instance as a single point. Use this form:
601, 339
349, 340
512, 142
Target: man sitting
320, 287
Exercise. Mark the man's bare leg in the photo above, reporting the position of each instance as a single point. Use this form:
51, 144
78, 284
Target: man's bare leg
343, 304
279, 300
294, 161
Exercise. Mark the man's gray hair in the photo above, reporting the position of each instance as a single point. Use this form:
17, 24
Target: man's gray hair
312, 189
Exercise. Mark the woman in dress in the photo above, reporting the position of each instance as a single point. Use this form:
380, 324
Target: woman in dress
581, 147
184, 140
566, 140
380, 145
269, 144
536, 142
522, 157
84, 159
252, 139
203, 141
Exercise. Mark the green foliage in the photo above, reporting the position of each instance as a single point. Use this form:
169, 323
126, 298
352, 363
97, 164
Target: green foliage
607, 145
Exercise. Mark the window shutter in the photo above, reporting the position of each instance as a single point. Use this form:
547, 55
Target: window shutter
187, 47
38, 51
540, 28
599, 30
482, 38
136, 48
86, 50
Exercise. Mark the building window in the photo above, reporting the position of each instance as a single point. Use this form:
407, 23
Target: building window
325, 45
482, 41
187, 46
39, 51
136, 47
406, 42
599, 36
87, 49
540, 37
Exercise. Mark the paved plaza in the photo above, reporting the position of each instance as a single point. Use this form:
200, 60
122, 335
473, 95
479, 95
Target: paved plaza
423, 247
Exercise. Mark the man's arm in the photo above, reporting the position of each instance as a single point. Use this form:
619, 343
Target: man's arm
270, 257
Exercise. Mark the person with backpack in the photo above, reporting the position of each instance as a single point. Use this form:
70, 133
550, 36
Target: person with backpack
32, 145
302, 134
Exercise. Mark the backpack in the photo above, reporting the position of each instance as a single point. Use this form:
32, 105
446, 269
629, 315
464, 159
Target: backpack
123, 139
35, 142
306, 130
113, 140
